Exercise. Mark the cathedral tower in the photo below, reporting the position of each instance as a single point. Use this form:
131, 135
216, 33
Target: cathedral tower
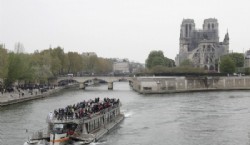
211, 27
201, 46
187, 28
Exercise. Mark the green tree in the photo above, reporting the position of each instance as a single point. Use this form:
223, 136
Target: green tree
19, 68
103, 66
169, 62
94, 64
56, 66
41, 65
90, 63
25, 70
13, 68
157, 58
42, 73
3, 62
247, 71
186, 63
58, 60
159, 69
238, 59
157, 61
227, 65
75, 62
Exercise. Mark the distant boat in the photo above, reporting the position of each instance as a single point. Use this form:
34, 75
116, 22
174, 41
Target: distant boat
89, 83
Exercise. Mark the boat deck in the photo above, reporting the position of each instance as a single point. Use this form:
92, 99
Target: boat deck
98, 133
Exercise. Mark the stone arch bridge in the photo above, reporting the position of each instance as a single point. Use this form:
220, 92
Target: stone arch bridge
109, 79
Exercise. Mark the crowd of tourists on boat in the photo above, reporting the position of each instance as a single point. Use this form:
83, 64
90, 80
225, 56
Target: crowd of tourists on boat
84, 108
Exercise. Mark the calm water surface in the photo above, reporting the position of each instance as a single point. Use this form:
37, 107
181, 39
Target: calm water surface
209, 118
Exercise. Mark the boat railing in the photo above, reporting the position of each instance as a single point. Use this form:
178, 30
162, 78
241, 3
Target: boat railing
40, 134
76, 120
106, 110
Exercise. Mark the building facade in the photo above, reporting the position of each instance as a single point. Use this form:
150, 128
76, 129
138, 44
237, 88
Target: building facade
201, 46
247, 59
121, 67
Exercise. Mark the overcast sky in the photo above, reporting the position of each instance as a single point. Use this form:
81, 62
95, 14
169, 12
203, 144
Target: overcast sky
117, 28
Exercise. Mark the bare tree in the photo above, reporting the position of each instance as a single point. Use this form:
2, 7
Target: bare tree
19, 48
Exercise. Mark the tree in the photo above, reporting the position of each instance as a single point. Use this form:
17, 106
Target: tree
14, 67
157, 58
103, 66
58, 60
90, 63
41, 66
227, 65
42, 73
25, 70
19, 48
56, 66
238, 59
75, 62
186, 63
157, 61
19, 68
247, 71
3, 62
169, 62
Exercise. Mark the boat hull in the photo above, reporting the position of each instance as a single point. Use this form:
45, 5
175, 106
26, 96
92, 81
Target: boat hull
81, 140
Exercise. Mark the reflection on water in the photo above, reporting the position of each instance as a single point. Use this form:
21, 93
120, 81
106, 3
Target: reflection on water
209, 118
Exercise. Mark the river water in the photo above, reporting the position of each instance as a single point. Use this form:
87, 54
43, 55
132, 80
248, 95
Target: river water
205, 118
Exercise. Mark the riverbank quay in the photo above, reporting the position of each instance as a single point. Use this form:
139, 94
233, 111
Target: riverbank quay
16, 97
164, 84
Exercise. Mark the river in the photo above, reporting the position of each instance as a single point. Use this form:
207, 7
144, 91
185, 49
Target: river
205, 118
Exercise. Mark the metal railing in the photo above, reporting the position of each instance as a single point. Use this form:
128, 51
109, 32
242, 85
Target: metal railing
40, 134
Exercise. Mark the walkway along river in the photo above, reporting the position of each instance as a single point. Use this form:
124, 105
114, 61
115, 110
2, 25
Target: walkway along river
207, 118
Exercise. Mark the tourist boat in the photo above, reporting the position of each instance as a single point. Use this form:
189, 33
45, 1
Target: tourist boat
73, 129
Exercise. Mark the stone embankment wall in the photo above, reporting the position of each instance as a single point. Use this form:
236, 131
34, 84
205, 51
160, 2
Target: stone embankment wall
9, 101
15, 97
149, 85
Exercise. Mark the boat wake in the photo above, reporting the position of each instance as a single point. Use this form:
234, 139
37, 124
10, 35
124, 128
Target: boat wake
128, 114
97, 143
93, 143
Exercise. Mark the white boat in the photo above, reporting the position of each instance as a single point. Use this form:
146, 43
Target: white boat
79, 128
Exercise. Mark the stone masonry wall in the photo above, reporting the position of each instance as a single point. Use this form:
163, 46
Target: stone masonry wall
187, 84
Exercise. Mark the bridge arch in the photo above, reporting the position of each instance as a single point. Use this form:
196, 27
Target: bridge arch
83, 80
65, 82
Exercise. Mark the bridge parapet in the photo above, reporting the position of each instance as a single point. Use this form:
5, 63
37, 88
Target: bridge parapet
104, 78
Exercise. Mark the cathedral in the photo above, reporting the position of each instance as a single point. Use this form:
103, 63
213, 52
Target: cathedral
201, 47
